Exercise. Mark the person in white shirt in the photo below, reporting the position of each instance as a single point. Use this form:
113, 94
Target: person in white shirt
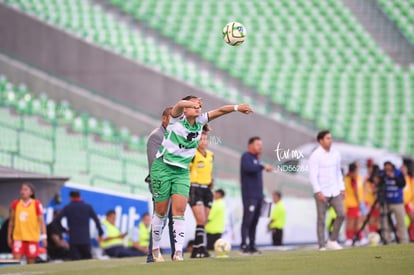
328, 186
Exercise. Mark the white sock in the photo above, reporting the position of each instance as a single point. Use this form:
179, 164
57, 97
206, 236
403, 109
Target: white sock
157, 224
178, 226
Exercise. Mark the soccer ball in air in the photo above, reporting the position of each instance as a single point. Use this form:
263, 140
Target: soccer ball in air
222, 248
374, 239
234, 33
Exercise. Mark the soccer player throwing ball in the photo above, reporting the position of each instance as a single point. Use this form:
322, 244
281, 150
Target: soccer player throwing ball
170, 176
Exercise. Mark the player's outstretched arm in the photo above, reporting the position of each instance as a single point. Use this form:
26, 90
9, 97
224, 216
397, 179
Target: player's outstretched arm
242, 108
178, 108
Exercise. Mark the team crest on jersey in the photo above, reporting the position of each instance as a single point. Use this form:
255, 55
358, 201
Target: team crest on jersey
23, 216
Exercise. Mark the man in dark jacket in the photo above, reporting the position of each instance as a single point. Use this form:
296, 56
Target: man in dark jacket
252, 193
78, 213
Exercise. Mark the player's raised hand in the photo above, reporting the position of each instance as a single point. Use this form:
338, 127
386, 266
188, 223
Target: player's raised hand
244, 108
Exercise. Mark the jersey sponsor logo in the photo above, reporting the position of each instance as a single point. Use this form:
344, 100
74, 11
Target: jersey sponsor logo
23, 216
192, 136
182, 146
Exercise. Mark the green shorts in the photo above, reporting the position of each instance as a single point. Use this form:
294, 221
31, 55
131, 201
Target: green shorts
167, 180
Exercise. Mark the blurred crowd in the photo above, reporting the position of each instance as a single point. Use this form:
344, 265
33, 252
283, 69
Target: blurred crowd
380, 202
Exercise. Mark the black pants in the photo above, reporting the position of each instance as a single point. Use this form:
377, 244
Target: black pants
277, 236
251, 214
122, 252
80, 252
58, 253
211, 239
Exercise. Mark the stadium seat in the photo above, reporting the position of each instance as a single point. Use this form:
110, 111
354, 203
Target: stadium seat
92, 152
311, 57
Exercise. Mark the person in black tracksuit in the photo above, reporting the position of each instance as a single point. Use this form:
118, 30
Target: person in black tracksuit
78, 214
252, 193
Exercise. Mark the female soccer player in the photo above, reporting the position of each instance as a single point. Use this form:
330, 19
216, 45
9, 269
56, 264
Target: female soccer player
26, 225
170, 176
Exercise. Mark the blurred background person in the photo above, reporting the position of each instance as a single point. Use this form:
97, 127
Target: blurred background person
370, 195
408, 194
78, 213
4, 247
354, 202
216, 221
140, 236
277, 219
26, 225
328, 186
57, 246
201, 197
252, 193
113, 239
394, 185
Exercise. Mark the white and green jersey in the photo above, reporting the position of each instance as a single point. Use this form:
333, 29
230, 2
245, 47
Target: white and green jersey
181, 140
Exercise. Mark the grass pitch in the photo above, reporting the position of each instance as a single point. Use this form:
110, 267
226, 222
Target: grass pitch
394, 259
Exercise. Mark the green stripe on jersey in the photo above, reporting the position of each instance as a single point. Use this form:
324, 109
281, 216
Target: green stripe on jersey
179, 140
177, 160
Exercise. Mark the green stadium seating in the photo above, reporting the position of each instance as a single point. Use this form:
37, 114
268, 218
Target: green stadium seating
29, 141
114, 160
312, 57
402, 13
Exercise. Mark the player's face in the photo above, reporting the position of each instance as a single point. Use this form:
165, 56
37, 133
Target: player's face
203, 141
326, 142
25, 192
193, 112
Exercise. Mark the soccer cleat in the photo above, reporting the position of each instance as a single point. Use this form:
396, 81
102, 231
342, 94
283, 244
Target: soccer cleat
348, 242
364, 242
178, 256
156, 254
254, 251
244, 250
204, 253
200, 252
333, 245
322, 249
195, 253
